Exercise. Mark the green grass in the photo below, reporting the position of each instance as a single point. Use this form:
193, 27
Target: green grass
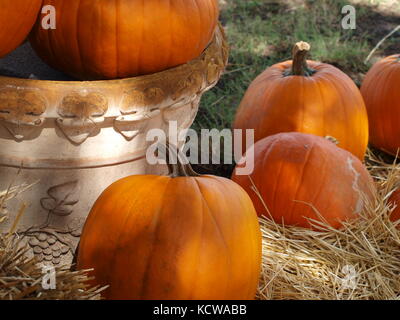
262, 33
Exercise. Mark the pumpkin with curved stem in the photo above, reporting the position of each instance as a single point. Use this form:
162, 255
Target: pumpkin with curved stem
109, 39
381, 93
16, 21
301, 176
309, 97
175, 237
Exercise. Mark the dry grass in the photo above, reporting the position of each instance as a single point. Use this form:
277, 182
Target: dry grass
360, 261
21, 277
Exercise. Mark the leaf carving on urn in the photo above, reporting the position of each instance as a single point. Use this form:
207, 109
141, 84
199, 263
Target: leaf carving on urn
81, 115
130, 126
137, 108
214, 70
22, 107
61, 199
189, 86
80, 106
137, 99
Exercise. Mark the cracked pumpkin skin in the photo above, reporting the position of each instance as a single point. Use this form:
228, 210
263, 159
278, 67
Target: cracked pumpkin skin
298, 173
309, 97
110, 39
17, 18
173, 238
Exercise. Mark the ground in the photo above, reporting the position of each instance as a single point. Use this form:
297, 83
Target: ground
262, 33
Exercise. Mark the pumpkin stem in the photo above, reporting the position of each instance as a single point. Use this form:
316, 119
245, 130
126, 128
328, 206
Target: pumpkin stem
300, 66
182, 167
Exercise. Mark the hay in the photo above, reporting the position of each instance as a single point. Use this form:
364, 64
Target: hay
359, 262
21, 277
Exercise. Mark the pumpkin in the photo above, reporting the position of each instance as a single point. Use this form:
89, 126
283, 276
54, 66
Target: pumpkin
108, 39
16, 21
394, 200
299, 177
305, 96
381, 93
173, 237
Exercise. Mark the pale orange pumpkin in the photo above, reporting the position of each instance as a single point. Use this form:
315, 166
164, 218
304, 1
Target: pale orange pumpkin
301, 176
309, 97
381, 93
108, 39
182, 236
17, 18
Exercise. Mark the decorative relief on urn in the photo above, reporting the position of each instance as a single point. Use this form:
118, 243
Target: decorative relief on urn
21, 111
48, 242
81, 115
214, 70
137, 108
61, 199
130, 126
135, 99
216, 59
189, 87
53, 245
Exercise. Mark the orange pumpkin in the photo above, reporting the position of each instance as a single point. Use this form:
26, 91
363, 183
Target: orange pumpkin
173, 237
17, 18
381, 93
309, 97
394, 200
108, 39
300, 176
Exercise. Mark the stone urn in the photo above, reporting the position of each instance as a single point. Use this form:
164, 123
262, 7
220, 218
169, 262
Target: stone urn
72, 139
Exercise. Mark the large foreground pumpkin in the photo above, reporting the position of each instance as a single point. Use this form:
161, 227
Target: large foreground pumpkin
381, 91
107, 39
177, 237
309, 97
300, 176
17, 18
